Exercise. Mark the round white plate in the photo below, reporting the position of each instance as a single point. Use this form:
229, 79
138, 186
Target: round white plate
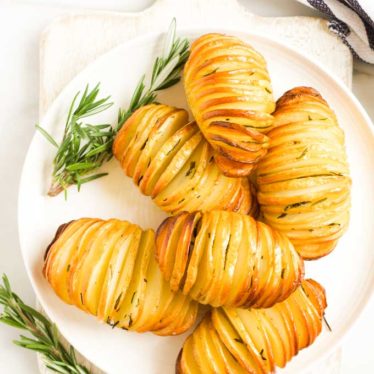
347, 274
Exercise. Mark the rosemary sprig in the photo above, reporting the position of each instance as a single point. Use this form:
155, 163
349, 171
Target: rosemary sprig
165, 73
84, 147
44, 333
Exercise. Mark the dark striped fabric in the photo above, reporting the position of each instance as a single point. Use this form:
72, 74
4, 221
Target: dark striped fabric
352, 21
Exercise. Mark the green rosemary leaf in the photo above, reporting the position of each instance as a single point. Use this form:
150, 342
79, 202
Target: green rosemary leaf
81, 166
84, 95
137, 94
96, 110
166, 71
72, 354
121, 117
155, 69
6, 284
33, 313
99, 149
98, 127
70, 113
59, 368
170, 39
38, 347
25, 340
47, 136
10, 322
169, 83
93, 177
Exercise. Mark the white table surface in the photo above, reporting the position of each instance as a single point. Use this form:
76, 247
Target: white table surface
20, 25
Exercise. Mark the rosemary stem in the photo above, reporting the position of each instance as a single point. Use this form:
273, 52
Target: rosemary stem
56, 189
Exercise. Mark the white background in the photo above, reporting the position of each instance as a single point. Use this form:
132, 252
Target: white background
20, 25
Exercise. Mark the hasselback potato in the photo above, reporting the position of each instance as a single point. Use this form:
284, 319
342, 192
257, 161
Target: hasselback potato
169, 160
303, 182
229, 92
107, 268
225, 258
255, 340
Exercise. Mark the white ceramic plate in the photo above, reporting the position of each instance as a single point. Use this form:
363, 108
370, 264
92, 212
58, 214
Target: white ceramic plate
347, 274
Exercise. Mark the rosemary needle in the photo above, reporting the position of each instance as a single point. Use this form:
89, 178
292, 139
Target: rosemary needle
326, 323
85, 147
44, 333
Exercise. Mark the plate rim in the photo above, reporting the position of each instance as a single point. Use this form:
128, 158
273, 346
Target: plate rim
345, 331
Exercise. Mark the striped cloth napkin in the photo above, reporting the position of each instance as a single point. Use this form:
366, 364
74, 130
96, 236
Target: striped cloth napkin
353, 21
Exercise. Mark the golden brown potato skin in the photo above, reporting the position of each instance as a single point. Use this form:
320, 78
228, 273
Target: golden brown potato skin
169, 160
229, 92
225, 258
107, 268
254, 341
303, 181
